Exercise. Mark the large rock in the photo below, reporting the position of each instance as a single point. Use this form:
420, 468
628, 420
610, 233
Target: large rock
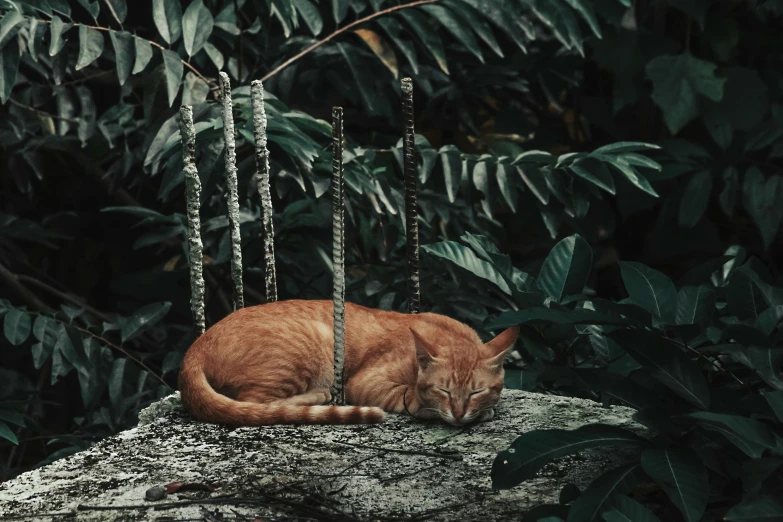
320, 472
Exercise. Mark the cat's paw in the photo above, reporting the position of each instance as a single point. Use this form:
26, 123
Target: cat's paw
487, 415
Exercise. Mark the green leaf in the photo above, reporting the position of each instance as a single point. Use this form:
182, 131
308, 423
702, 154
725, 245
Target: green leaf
10, 24
167, 15
667, 364
340, 9
9, 66
744, 102
695, 199
744, 295
767, 362
452, 170
566, 268
197, 24
626, 509
429, 38
677, 80
506, 188
596, 497
452, 24
467, 259
755, 472
174, 69
533, 450
761, 198
749, 429
7, 434
214, 55
123, 51
763, 508
144, 318
775, 400
310, 15
94, 8
195, 90
365, 88
584, 8
650, 289
625, 146
90, 46
16, 326
535, 181
728, 196
58, 29
595, 172
143, 54
695, 305
11, 416
682, 476
118, 9
703, 272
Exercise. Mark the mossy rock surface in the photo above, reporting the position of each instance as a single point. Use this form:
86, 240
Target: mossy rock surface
320, 472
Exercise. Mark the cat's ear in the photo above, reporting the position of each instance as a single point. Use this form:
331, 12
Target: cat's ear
425, 352
498, 346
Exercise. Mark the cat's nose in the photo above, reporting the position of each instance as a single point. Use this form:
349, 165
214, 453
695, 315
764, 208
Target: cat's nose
458, 414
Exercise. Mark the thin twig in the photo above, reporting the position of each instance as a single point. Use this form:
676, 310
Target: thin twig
40, 113
339, 32
450, 456
62, 295
716, 362
123, 351
11, 280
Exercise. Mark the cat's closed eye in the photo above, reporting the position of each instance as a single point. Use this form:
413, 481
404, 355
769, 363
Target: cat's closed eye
476, 392
444, 390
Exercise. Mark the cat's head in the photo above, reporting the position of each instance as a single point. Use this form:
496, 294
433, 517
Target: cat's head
460, 383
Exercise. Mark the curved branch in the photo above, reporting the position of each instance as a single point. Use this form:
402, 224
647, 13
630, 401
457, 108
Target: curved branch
338, 32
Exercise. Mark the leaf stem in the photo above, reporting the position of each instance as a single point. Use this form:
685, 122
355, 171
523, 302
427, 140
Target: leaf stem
338, 32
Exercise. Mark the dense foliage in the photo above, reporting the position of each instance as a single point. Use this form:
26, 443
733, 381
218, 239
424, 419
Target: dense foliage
646, 132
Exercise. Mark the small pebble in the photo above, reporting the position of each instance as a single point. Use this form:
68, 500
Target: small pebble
155, 493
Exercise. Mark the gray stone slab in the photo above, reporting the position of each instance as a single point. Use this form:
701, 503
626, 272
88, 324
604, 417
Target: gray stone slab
320, 472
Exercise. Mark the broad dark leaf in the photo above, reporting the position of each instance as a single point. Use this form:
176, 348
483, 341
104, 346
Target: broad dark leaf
749, 429
626, 509
580, 316
197, 24
123, 51
668, 364
763, 508
90, 46
682, 476
174, 68
650, 289
694, 201
168, 19
144, 318
9, 66
533, 450
467, 259
596, 498
16, 326
695, 305
566, 268
143, 54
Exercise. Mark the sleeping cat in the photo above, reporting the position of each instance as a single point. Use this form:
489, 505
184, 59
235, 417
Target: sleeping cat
273, 364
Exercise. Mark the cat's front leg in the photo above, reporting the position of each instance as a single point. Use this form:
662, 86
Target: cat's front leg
486, 415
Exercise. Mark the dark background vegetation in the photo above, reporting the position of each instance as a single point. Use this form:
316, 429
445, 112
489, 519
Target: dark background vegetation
647, 133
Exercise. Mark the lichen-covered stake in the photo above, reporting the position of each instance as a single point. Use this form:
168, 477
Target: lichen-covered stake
233, 195
193, 193
338, 254
262, 181
411, 213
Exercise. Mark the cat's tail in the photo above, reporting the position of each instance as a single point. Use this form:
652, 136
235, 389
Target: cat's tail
206, 404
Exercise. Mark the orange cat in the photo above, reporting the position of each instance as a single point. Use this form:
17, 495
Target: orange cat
273, 364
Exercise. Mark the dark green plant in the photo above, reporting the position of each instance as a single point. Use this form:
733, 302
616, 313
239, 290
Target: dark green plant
701, 365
